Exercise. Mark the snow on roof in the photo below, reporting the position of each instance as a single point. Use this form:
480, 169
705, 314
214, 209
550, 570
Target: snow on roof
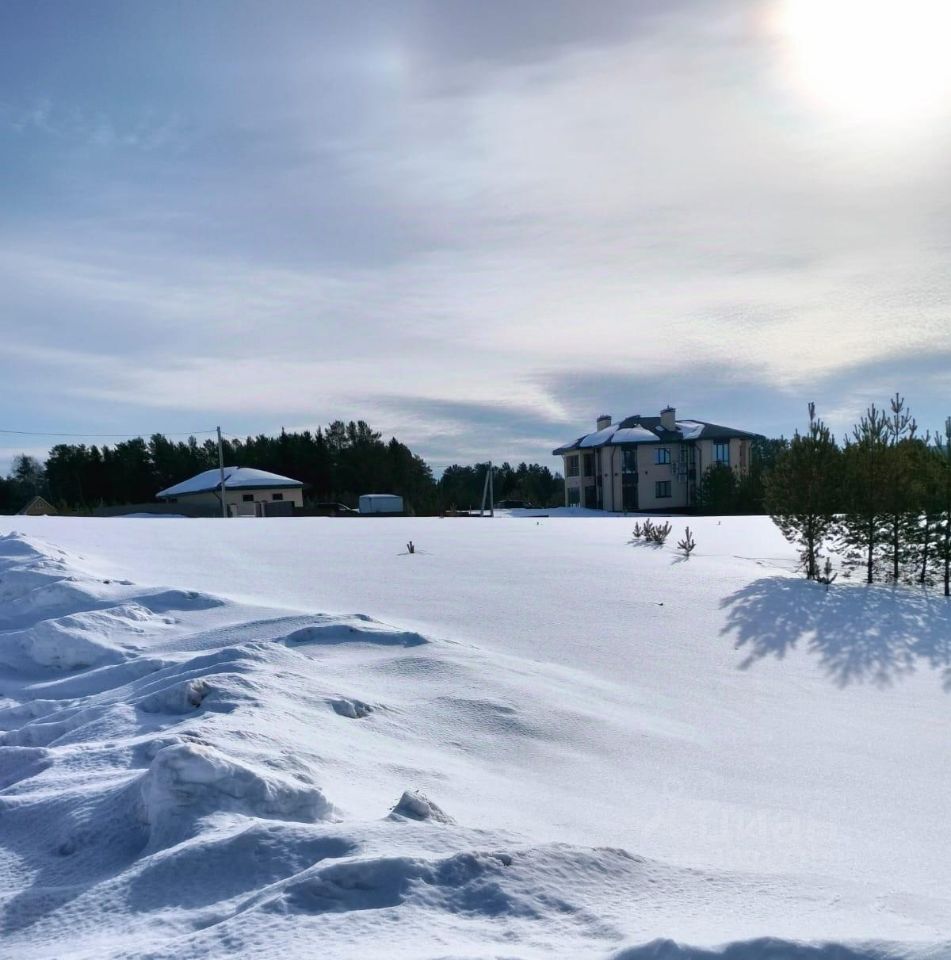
690, 429
635, 435
236, 478
598, 439
639, 429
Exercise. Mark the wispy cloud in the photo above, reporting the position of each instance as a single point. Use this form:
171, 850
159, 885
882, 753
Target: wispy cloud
467, 228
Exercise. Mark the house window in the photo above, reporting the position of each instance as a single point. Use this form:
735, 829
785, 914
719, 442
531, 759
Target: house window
662, 489
574, 496
721, 453
571, 466
662, 455
589, 464
277, 496
247, 497
629, 460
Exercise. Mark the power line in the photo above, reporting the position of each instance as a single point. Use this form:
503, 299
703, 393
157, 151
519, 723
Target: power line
100, 436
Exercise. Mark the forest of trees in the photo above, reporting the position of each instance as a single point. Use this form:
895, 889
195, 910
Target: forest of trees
881, 500
336, 463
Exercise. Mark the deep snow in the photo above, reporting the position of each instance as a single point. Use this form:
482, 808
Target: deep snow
531, 737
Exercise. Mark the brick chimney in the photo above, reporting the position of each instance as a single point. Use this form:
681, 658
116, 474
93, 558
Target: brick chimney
604, 421
668, 418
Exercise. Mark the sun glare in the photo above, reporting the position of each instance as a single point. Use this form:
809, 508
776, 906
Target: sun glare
872, 60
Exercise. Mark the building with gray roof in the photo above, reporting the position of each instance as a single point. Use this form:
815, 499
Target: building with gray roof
649, 463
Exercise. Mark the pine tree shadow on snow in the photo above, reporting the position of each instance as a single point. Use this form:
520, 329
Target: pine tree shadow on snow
872, 634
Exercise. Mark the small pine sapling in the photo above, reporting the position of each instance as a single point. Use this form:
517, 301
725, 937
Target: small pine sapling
827, 576
687, 544
651, 533
661, 533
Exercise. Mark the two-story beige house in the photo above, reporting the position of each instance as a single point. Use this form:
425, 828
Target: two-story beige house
649, 463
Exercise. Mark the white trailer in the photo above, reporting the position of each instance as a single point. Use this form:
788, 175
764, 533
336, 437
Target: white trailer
381, 503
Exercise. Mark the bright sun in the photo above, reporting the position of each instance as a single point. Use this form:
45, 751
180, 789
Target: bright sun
872, 60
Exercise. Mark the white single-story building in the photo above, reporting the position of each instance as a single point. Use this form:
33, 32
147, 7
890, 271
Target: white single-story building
649, 463
248, 492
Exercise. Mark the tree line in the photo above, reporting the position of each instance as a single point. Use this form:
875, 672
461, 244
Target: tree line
881, 499
336, 464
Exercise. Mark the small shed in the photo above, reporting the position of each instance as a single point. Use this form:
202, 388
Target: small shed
37, 507
381, 503
248, 492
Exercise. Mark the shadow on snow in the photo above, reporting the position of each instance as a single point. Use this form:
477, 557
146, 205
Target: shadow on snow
859, 634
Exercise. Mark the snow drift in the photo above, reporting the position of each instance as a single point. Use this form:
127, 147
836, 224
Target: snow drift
612, 756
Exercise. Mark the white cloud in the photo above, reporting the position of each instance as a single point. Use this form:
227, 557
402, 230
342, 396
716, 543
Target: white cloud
646, 207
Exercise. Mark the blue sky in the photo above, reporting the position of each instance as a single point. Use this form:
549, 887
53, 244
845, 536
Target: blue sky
476, 225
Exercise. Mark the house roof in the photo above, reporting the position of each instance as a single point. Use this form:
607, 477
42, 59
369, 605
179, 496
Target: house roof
236, 478
37, 507
638, 429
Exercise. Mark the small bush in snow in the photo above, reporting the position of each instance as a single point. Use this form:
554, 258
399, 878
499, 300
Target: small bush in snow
652, 533
827, 576
687, 544
660, 533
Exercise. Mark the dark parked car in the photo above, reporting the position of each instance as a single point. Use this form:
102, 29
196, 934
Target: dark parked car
331, 510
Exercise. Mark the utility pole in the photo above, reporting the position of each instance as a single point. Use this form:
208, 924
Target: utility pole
221, 471
487, 493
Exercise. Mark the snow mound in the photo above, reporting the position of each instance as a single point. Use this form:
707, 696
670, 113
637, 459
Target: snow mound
20, 713
17, 545
100, 679
40, 596
204, 870
35, 576
20, 763
186, 781
37, 734
191, 689
763, 948
463, 882
350, 708
164, 601
93, 638
180, 697
415, 806
354, 629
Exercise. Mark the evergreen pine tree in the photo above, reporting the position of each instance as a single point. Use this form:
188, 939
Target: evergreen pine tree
901, 491
865, 476
801, 491
924, 526
942, 541
716, 493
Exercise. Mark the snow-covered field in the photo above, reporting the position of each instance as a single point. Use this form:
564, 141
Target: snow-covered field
531, 738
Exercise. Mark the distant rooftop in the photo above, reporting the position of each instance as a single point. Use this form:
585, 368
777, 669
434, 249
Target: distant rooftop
638, 429
236, 478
